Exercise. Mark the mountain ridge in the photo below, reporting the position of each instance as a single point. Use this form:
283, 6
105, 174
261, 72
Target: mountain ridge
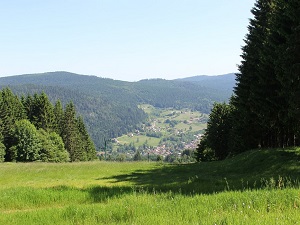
110, 107
190, 78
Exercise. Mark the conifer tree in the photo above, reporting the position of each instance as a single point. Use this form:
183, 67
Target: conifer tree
11, 110
70, 134
253, 90
267, 96
43, 115
218, 131
268, 103
86, 142
58, 117
286, 42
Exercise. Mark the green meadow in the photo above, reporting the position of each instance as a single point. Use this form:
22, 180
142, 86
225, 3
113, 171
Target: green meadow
256, 187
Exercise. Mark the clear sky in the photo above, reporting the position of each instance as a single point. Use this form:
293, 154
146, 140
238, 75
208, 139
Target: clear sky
123, 39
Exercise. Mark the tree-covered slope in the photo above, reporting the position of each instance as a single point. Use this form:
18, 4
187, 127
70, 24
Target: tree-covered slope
179, 94
110, 107
220, 82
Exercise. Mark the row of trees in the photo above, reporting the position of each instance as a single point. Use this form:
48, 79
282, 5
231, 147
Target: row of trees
33, 129
265, 109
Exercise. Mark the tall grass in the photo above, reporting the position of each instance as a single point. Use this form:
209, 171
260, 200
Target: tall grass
249, 207
227, 192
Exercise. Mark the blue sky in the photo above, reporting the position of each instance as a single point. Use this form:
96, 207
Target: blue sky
123, 39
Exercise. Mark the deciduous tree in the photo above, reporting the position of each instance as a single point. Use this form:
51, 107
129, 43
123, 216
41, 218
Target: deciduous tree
27, 142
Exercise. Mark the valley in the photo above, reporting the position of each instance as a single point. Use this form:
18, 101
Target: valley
110, 108
163, 136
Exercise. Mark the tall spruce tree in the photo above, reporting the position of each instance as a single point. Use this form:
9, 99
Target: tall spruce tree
253, 94
43, 115
28, 106
11, 110
58, 117
267, 96
87, 144
286, 42
218, 130
70, 134
271, 59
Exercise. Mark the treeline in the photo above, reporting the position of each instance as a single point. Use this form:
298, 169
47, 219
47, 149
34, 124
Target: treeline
33, 129
265, 109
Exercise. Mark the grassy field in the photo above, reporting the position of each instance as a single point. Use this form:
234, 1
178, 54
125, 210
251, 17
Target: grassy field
256, 187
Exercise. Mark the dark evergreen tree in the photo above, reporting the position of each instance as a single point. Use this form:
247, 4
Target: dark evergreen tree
87, 144
28, 106
267, 92
255, 82
203, 152
71, 135
218, 129
42, 112
11, 110
58, 117
286, 41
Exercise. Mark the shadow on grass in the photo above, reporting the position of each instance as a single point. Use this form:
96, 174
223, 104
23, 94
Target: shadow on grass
251, 170
261, 169
100, 194
93, 194
184, 179
264, 169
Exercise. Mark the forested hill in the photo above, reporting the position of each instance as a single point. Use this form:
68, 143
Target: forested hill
224, 82
110, 107
196, 92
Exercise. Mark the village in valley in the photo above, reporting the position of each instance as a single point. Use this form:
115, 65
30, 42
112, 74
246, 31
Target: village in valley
168, 134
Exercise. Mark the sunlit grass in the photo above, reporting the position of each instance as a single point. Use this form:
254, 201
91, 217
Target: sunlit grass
257, 187
70, 174
141, 207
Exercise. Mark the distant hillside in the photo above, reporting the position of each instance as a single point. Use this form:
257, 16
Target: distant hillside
110, 107
223, 82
